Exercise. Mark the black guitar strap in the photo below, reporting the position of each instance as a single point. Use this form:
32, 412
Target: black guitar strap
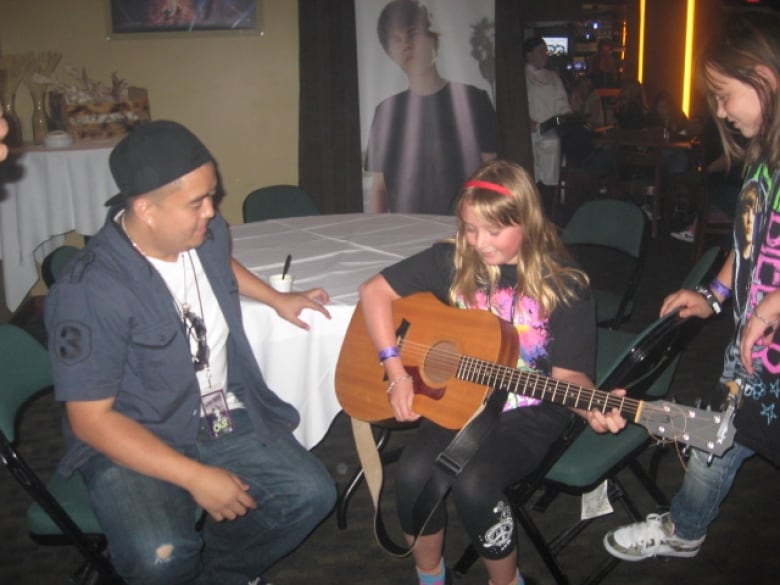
446, 469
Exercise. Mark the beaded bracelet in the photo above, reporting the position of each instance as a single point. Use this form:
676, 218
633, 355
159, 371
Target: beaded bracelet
388, 353
720, 289
766, 322
396, 381
710, 298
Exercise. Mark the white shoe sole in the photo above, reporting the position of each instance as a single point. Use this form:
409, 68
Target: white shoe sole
670, 552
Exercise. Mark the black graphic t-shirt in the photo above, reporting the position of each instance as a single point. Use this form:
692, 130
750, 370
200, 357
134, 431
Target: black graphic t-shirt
756, 274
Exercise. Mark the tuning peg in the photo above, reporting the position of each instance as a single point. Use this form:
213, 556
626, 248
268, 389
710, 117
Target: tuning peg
686, 451
698, 402
710, 458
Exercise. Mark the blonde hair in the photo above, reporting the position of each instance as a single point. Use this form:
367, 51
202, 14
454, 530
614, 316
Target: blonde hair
542, 270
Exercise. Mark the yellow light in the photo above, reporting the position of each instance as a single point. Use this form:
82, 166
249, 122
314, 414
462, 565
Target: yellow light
623, 35
640, 69
688, 63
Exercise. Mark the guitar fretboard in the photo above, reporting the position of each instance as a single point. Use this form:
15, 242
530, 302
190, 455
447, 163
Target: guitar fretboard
534, 385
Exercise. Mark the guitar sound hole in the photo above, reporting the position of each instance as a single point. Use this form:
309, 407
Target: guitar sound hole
441, 362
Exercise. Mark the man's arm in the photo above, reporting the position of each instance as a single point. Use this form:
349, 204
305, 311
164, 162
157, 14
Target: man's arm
287, 305
126, 442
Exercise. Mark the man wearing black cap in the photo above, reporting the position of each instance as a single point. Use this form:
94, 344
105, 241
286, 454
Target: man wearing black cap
167, 411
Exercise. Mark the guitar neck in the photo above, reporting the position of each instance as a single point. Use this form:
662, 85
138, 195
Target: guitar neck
532, 385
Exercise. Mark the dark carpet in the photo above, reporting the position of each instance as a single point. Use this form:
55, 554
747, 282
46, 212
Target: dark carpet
741, 545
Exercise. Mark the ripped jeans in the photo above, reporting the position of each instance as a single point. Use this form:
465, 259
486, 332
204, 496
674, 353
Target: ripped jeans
151, 524
704, 488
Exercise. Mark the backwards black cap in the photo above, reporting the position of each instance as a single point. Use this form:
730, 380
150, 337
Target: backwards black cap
152, 155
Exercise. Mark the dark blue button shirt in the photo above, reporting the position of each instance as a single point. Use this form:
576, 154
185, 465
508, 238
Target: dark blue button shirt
114, 332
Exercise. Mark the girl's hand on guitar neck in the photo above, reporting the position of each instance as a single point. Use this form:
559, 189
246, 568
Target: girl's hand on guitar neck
611, 421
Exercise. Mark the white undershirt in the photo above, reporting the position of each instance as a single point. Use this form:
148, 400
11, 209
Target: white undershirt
184, 286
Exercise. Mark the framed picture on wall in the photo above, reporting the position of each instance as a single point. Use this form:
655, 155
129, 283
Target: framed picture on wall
142, 17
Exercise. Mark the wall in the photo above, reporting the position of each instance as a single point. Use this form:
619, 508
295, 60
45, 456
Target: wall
238, 92
665, 44
664, 48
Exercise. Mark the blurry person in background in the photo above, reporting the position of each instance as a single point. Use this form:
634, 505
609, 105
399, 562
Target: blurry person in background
587, 103
546, 98
604, 69
665, 112
633, 112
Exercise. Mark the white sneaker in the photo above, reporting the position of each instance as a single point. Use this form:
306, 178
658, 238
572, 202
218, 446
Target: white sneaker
685, 235
653, 537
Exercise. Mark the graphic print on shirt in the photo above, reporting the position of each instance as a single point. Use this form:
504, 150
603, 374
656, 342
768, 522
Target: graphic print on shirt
757, 271
532, 332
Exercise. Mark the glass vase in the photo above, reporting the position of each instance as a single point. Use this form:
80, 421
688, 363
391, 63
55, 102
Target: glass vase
40, 123
14, 137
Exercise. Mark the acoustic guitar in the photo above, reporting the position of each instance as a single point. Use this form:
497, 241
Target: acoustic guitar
457, 357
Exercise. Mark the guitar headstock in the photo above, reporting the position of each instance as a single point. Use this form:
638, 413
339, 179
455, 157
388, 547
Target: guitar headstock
706, 430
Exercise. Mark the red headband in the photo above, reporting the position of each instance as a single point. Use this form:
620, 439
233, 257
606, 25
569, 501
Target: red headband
489, 186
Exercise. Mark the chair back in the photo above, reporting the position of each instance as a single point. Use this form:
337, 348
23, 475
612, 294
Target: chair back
24, 371
644, 364
653, 348
608, 222
54, 263
278, 201
61, 507
601, 228
638, 365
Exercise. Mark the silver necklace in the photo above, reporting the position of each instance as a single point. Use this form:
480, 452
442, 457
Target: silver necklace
183, 307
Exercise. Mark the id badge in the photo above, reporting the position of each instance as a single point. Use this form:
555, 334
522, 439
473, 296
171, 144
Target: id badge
217, 414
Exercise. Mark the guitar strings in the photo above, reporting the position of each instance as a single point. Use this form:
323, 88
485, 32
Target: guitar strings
451, 361
492, 374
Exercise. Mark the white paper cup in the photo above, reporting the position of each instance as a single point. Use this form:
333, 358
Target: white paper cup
281, 284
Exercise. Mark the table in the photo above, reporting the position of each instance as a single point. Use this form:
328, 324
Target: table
45, 193
337, 252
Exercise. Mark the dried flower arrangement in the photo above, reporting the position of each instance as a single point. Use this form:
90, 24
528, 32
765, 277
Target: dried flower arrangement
91, 109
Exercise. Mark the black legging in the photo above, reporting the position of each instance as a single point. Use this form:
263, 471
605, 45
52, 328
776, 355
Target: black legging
511, 451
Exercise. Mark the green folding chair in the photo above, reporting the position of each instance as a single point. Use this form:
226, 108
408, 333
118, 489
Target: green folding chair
610, 232
277, 201
61, 512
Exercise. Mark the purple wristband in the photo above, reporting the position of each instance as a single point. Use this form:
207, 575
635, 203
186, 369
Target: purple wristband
720, 289
389, 352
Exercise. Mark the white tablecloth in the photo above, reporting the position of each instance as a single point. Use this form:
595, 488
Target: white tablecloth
45, 193
337, 252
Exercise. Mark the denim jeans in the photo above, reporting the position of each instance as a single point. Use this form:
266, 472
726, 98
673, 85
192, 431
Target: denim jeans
151, 524
697, 503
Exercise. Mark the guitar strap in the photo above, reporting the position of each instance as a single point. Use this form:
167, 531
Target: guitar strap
446, 469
